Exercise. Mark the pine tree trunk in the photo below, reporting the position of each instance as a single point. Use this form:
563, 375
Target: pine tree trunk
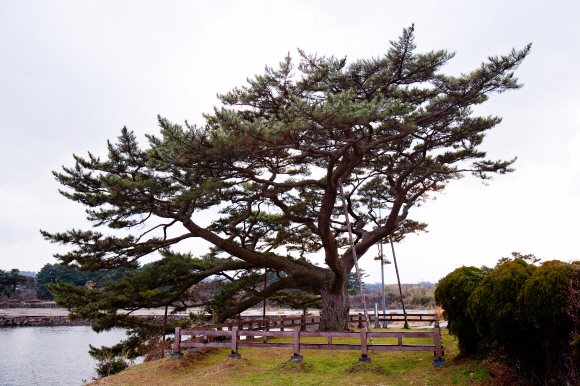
334, 314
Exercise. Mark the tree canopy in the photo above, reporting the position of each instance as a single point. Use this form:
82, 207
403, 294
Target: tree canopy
265, 166
9, 281
51, 273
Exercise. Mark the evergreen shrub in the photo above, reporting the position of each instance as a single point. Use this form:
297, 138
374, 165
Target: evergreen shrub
529, 315
493, 306
544, 296
452, 294
547, 307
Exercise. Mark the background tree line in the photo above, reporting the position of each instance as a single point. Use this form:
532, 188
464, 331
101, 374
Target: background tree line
12, 283
27, 285
417, 295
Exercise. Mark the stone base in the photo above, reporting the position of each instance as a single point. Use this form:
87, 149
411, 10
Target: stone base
176, 355
439, 363
192, 349
235, 356
296, 358
364, 360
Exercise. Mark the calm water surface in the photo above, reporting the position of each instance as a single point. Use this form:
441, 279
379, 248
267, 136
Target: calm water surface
50, 355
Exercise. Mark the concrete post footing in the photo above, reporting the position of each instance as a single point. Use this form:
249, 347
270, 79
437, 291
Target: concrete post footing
439, 363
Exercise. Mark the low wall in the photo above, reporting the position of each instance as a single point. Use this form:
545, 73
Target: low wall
40, 321
63, 320
28, 305
53, 321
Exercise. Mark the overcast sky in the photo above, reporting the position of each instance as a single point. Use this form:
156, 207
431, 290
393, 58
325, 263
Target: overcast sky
73, 73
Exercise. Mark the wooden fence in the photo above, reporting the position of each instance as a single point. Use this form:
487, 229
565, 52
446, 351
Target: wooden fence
200, 337
302, 321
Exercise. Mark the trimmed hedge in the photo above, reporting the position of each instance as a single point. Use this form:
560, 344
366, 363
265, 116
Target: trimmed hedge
544, 296
528, 315
452, 294
493, 306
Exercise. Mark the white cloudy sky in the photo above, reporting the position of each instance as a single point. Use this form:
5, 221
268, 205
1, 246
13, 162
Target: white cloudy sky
73, 73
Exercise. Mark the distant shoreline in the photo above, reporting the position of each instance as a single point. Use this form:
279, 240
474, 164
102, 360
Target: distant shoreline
53, 317
36, 304
60, 320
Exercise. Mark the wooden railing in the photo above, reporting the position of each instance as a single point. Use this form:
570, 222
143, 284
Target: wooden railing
311, 320
200, 337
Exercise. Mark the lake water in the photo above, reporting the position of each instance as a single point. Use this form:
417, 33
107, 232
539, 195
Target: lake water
50, 355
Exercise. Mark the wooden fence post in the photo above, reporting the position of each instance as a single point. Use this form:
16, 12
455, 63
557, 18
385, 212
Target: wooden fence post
438, 361
234, 354
266, 328
363, 346
360, 320
177, 340
296, 338
176, 354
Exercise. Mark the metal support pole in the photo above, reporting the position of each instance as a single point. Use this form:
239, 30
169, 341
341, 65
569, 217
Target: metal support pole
399, 281
265, 283
165, 323
383, 283
354, 257
382, 272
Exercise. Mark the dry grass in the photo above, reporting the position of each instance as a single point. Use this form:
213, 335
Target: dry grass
154, 348
320, 367
439, 312
295, 367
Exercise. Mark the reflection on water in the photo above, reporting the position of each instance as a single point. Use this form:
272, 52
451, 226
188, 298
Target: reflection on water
50, 355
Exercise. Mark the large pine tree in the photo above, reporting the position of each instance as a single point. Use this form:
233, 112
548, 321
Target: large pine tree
267, 165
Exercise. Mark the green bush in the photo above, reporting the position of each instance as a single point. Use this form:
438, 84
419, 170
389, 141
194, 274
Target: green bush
548, 305
110, 364
529, 315
544, 297
493, 306
452, 294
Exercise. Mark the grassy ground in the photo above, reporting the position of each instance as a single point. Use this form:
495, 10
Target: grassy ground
320, 367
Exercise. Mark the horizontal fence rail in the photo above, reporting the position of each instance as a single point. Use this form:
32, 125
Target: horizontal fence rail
304, 321
200, 336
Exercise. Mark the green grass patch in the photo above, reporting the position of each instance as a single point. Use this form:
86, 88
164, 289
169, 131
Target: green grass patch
320, 367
